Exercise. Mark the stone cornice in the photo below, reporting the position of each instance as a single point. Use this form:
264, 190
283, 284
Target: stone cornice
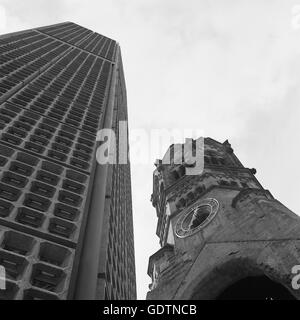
158, 254
246, 192
204, 193
216, 168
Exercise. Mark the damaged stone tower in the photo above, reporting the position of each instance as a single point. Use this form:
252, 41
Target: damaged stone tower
222, 235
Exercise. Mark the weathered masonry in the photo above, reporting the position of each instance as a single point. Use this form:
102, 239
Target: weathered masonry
222, 235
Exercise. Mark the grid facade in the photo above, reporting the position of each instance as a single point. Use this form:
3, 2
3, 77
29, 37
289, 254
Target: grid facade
119, 267
54, 91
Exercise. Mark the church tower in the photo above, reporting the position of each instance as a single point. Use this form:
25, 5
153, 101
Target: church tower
222, 235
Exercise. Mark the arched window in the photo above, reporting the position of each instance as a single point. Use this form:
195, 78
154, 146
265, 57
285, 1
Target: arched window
175, 174
181, 171
214, 160
222, 161
206, 160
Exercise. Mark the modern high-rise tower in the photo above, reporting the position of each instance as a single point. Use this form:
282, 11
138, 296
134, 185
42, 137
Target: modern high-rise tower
222, 235
66, 229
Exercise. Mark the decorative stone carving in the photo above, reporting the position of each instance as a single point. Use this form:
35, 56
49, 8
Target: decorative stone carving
196, 218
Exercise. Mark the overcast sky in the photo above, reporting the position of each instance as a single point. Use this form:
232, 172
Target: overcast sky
230, 68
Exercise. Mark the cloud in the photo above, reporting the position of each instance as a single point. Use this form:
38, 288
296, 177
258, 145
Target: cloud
228, 68
34, 12
3, 20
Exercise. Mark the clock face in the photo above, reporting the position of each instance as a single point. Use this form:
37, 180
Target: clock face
196, 218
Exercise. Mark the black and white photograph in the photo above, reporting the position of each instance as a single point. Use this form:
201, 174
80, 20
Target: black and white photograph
149, 153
